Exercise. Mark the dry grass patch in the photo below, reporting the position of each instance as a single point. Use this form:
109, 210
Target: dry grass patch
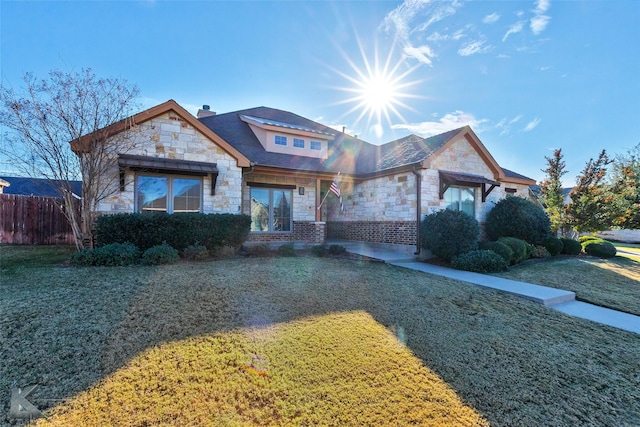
612, 282
335, 369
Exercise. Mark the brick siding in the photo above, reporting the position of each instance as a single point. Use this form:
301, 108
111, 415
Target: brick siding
303, 231
396, 232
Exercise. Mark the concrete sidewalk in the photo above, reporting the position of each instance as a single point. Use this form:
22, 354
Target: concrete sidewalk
557, 299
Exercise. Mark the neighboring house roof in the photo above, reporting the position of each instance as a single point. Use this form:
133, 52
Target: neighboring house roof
37, 187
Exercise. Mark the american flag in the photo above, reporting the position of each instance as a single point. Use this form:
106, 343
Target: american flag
335, 189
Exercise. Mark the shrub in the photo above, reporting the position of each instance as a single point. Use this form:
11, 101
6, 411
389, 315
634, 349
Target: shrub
588, 237
287, 250
160, 254
500, 248
319, 250
179, 230
449, 233
553, 245
480, 261
113, 254
196, 252
337, 249
570, 246
599, 248
257, 250
540, 251
518, 246
518, 217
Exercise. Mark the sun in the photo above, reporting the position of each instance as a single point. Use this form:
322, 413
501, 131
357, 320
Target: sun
378, 90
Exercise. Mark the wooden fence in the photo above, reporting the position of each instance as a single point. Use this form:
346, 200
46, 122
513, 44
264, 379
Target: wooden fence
31, 220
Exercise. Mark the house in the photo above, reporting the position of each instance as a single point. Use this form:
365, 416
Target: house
39, 187
278, 168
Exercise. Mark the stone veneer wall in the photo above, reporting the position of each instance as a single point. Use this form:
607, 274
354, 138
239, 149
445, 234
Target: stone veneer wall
303, 231
396, 232
169, 136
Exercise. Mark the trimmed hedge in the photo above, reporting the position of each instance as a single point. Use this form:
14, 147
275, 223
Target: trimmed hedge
588, 237
480, 261
448, 233
518, 217
540, 251
287, 250
180, 230
160, 254
599, 248
114, 254
500, 248
570, 246
553, 245
519, 247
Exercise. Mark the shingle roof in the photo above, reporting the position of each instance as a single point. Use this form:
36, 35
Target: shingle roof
36, 187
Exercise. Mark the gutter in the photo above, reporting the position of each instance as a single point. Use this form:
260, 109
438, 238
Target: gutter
418, 175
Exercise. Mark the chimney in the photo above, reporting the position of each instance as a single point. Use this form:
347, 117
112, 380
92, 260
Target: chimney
205, 111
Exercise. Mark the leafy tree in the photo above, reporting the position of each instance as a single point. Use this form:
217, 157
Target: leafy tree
591, 199
625, 189
49, 116
551, 189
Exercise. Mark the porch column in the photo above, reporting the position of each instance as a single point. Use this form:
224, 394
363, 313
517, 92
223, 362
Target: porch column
318, 198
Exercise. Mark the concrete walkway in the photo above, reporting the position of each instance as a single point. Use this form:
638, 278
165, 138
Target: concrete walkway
557, 299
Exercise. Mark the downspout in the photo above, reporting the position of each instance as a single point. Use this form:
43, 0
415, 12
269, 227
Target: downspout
418, 175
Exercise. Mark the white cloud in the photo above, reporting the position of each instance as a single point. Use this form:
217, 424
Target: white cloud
473, 47
545, 68
490, 19
503, 56
505, 124
448, 122
542, 6
531, 125
421, 53
514, 29
539, 23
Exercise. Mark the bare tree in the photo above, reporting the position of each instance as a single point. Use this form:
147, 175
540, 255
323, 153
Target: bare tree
68, 127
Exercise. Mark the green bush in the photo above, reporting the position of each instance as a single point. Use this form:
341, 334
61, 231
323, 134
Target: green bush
588, 237
599, 248
113, 254
160, 254
571, 246
196, 252
479, 261
319, 250
287, 250
540, 251
337, 249
519, 247
553, 244
500, 248
448, 233
257, 250
179, 230
518, 217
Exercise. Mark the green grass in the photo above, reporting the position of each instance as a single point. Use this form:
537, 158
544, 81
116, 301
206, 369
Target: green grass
612, 283
16, 256
179, 340
628, 250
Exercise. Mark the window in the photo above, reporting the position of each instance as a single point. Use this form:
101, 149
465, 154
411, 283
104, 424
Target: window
281, 140
271, 209
298, 143
168, 193
461, 199
316, 145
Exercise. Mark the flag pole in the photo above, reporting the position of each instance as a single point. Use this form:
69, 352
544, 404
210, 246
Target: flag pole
325, 196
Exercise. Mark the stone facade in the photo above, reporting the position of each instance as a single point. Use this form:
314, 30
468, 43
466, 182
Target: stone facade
169, 136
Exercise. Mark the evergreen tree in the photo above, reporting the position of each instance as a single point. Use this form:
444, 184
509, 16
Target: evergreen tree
626, 190
551, 189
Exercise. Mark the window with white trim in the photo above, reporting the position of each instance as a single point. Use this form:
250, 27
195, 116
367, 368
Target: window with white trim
315, 145
298, 143
281, 140
461, 199
168, 193
271, 209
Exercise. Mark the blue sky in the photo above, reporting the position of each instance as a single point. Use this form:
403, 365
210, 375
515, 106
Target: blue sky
528, 76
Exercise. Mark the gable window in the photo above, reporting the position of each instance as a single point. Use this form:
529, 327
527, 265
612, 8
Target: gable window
298, 143
168, 193
271, 209
461, 199
281, 140
315, 145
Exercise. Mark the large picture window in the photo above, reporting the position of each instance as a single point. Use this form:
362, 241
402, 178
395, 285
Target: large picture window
168, 193
271, 209
461, 199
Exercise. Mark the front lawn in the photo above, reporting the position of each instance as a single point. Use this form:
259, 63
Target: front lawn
303, 341
612, 282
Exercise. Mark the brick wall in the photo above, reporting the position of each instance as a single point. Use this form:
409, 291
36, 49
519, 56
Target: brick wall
396, 232
303, 231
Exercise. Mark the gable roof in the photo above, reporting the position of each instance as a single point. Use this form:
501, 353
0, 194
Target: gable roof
37, 187
171, 105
